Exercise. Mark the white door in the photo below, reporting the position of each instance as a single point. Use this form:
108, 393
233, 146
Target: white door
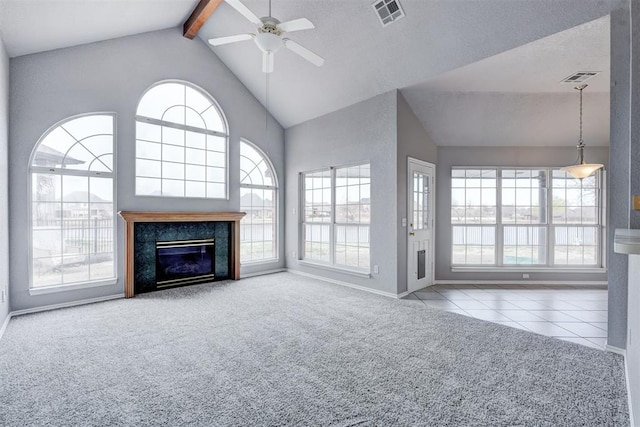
421, 198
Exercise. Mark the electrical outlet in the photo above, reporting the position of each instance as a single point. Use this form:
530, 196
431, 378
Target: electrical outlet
293, 254
376, 270
293, 211
525, 275
404, 222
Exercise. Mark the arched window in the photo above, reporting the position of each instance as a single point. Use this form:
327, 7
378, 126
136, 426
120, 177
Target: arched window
181, 143
258, 198
72, 212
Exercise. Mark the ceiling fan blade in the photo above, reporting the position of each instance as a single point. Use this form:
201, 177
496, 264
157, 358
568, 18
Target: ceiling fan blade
296, 25
230, 39
267, 62
304, 52
244, 11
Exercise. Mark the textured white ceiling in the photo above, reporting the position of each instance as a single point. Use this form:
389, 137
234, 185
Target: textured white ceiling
363, 59
31, 26
474, 71
516, 98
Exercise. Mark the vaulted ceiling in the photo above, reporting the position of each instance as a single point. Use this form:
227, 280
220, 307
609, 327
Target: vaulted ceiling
475, 72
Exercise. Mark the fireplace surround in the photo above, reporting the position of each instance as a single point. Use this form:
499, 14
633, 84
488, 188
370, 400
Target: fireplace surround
145, 229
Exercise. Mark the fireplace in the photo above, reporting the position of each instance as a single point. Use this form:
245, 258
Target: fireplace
144, 258
181, 262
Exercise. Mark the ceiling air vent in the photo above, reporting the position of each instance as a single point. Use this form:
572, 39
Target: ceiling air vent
580, 77
388, 11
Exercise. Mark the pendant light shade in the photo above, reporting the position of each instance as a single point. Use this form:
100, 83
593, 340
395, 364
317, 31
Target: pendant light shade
581, 169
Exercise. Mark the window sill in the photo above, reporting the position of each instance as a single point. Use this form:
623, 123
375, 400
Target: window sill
71, 287
531, 269
353, 272
259, 262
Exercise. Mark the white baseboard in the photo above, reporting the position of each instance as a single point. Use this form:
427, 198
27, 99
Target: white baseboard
262, 273
349, 285
65, 304
4, 325
629, 400
403, 294
616, 350
521, 282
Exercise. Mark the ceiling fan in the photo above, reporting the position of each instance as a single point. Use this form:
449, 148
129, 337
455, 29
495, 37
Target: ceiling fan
269, 36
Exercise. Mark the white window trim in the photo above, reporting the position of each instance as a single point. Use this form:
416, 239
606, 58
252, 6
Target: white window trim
158, 122
39, 290
549, 266
276, 207
331, 265
43, 290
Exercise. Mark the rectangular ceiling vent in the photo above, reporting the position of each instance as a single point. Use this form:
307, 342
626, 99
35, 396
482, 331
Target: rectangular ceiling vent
388, 11
580, 77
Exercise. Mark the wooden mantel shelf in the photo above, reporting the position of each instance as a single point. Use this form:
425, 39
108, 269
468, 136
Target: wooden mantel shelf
131, 217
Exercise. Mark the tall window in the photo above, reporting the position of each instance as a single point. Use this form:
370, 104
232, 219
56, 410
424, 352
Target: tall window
537, 217
181, 143
258, 198
72, 212
337, 214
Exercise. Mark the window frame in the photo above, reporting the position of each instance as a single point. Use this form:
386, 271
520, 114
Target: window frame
162, 123
549, 226
31, 170
333, 225
276, 204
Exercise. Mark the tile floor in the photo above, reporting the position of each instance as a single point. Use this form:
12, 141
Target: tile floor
571, 313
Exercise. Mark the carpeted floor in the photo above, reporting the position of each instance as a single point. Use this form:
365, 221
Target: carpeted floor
288, 350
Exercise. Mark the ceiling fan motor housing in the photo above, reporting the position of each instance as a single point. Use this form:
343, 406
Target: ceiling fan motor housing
270, 25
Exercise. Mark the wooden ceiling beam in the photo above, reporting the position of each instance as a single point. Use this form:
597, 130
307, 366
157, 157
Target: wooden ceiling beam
199, 16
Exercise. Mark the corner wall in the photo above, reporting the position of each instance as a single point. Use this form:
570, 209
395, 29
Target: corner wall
498, 156
4, 179
633, 286
111, 76
619, 175
364, 132
413, 141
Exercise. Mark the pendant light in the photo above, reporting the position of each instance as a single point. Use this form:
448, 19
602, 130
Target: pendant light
581, 169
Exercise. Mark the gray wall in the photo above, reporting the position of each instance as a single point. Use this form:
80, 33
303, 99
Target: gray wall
111, 76
633, 290
364, 132
4, 178
413, 141
497, 156
633, 336
619, 175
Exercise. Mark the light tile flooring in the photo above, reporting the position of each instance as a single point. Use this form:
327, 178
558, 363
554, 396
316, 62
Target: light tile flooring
571, 313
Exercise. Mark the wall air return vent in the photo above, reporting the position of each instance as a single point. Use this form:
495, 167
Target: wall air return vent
388, 11
580, 77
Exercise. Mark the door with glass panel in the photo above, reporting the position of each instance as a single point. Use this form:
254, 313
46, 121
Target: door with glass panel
421, 198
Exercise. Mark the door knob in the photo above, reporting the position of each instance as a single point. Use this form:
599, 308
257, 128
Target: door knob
411, 233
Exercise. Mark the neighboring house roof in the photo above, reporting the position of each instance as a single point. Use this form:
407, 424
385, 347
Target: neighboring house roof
47, 156
252, 199
81, 197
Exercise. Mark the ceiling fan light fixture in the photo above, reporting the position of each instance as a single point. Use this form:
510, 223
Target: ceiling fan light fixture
581, 169
268, 42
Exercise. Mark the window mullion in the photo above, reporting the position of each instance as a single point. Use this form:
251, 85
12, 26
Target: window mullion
499, 231
551, 233
332, 227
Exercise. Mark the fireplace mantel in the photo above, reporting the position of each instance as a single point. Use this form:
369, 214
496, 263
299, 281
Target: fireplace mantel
131, 217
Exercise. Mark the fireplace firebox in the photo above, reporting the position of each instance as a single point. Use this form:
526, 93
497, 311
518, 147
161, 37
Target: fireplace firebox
181, 262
